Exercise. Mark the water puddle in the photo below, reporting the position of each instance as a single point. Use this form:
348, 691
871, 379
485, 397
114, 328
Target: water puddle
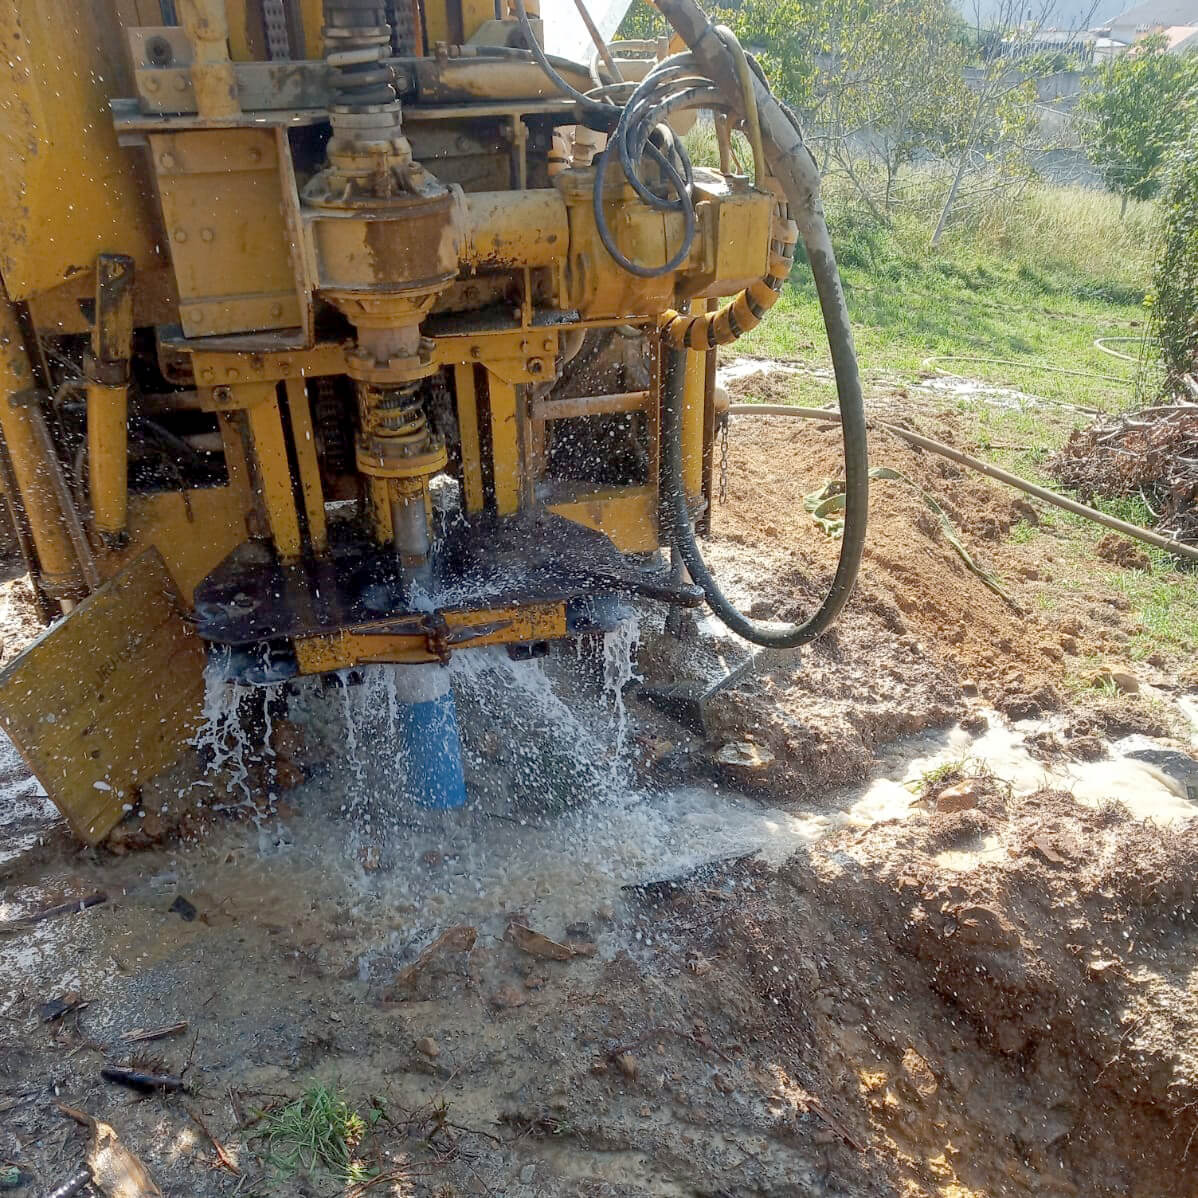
1148, 790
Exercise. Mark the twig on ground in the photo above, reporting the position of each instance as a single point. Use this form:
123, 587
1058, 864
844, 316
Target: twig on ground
225, 1160
28, 921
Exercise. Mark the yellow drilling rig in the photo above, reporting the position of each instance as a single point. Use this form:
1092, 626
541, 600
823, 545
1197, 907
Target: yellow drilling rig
363, 332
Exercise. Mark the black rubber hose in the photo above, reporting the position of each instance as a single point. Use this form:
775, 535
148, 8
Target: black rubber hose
856, 458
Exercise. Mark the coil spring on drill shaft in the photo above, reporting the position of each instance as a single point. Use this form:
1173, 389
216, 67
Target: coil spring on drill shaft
394, 411
358, 40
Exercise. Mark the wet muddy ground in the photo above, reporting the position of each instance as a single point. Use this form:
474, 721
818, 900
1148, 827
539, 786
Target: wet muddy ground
914, 916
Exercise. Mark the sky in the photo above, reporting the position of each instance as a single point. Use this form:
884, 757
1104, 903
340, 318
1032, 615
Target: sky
1065, 14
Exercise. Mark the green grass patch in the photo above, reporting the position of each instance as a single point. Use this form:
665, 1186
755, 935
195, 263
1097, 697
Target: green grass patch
318, 1132
1033, 283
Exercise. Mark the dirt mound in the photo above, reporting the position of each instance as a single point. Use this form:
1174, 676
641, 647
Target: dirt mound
926, 629
1021, 1025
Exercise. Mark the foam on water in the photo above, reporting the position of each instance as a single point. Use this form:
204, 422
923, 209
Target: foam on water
222, 740
619, 670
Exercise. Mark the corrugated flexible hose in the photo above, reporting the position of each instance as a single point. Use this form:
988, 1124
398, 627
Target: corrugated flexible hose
792, 166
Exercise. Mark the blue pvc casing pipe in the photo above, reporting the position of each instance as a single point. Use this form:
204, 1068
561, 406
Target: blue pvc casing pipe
427, 730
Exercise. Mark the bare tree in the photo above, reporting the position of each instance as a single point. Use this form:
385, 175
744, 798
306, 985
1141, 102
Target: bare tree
1004, 92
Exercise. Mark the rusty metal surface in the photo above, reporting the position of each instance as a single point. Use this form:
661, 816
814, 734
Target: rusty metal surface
481, 563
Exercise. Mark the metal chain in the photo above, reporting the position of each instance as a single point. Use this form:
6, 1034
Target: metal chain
278, 38
724, 458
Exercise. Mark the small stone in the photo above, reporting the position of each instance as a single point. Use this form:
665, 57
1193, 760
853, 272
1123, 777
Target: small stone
628, 1065
606, 912
1123, 681
508, 996
528, 1173
969, 688
370, 857
1126, 682
743, 757
963, 796
986, 928
918, 1078
1069, 644
429, 1047
432, 858
151, 826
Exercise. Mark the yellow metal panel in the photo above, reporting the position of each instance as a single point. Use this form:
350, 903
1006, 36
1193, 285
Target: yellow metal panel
312, 18
241, 47
305, 453
472, 466
107, 698
694, 389
222, 202
505, 444
107, 456
194, 531
627, 516
274, 471
214, 369
67, 190
436, 21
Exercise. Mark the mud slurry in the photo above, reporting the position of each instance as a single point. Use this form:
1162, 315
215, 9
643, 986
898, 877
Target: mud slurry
822, 978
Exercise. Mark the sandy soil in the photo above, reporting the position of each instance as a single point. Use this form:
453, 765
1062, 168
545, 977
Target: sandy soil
846, 973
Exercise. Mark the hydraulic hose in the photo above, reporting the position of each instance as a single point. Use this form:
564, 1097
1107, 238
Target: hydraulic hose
795, 171
775, 137
706, 330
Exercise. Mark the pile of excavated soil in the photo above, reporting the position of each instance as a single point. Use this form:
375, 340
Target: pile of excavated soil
913, 582
924, 634
989, 1002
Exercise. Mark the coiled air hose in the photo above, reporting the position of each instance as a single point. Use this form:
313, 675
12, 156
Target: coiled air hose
775, 133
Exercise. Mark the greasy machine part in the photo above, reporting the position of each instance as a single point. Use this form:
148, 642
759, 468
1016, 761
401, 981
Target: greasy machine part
390, 334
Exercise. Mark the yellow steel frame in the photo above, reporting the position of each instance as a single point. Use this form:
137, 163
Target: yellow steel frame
461, 629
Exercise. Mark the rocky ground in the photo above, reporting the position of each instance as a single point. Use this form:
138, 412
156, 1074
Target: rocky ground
915, 916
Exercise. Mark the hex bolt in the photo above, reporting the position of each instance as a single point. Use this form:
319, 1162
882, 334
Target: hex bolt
207, 234
222, 394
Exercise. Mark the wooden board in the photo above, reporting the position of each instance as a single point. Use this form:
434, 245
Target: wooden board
108, 697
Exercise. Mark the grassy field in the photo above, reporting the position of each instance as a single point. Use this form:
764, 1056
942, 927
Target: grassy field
1033, 283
